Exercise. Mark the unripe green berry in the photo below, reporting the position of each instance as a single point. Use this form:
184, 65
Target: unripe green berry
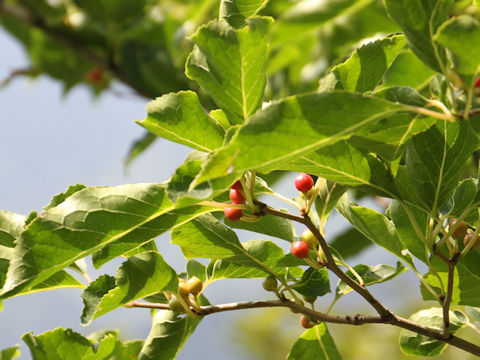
182, 288
194, 285
309, 238
270, 283
175, 305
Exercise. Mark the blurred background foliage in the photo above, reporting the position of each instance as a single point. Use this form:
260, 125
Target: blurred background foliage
143, 44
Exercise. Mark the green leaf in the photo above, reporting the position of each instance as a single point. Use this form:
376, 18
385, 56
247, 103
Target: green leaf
315, 344
365, 68
291, 128
138, 147
86, 222
167, 336
11, 225
66, 344
93, 294
408, 70
235, 12
473, 313
465, 201
9, 353
375, 226
268, 225
455, 34
257, 259
179, 186
419, 20
327, 198
206, 237
307, 16
415, 344
370, 275
347, 166
123, 350
181, 118
350, 243
230, 65
314, 282
435, 160
58, 199
466, 281
405, 230
140, 276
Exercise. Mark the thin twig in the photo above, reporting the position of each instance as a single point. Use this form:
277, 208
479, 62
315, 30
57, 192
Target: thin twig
321, 317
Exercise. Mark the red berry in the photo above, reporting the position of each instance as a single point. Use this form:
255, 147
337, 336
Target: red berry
300, 249
236, 196
303, 182
477, 82
306, 323
95, 75
237, 185
233, 214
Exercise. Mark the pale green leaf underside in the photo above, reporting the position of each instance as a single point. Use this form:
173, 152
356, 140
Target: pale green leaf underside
315, 344
290, 128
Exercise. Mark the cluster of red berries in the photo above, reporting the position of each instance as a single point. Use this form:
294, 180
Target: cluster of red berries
237, 197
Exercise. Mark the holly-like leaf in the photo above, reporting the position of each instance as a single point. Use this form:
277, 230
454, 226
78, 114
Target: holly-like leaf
419, 20
86, 222
167, 336
314, 282
180, 118
235, 12
415, 344
365, 68
454, 35
291, 128
140, 276
370, 275
230, 64
435, 160
315, 344
69, 345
